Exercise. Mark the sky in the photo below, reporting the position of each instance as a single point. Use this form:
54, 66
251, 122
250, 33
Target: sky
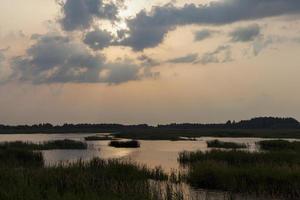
148, 61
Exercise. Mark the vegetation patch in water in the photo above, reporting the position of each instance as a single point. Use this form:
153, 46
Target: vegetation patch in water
272, 174
225, 145
49, 145
236, 157
125, 144
279, 145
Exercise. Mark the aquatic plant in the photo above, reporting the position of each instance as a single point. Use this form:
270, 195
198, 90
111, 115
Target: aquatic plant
48, 145
271, 174
279, 145
125, 144
225, 145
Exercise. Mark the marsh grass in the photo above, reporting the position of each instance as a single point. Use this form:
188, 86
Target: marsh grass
125, 144
49, 145
97, 179
271, 174
23, 175
20, 158
225, 145
279, 145
235, 157
259, 179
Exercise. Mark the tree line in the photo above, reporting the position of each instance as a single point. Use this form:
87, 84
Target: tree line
254, 123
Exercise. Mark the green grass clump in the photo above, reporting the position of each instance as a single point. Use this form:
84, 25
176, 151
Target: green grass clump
125, 144
225, 145
49, 145
272, 173
279, 145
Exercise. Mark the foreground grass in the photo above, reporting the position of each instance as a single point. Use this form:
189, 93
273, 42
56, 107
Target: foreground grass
272, 174
125, 144
97, 179
49, 145
11, 158
279, 145
24, 176
258, 179
225, 145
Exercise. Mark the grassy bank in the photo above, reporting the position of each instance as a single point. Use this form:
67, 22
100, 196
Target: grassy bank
258, 179
225, 145
279, 145
241, 157
49, 145
125, 144
271, 174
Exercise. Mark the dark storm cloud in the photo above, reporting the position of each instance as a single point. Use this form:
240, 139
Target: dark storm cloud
190, 58
245, 34
204, 34
79, 14
149, 29
58, 59
98, 39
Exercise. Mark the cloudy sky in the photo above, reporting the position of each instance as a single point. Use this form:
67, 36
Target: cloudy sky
148, 61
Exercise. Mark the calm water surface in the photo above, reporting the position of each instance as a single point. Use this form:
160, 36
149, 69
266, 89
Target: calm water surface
152, 153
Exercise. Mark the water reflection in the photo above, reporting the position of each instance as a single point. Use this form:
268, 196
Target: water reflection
152, 153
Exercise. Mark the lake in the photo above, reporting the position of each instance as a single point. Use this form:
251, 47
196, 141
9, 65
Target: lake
152, 152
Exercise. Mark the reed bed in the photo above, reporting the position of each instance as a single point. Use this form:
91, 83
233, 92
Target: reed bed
225, 145
23, 175
279, 145
125, 144
49, 145
270, 174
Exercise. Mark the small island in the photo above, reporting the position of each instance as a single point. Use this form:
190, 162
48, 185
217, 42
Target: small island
125, 144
